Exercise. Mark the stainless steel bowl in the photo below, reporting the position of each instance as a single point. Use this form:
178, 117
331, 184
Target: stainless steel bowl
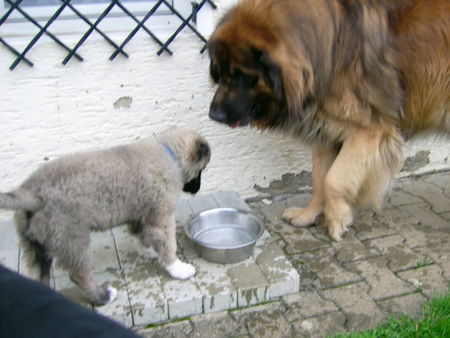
225, 235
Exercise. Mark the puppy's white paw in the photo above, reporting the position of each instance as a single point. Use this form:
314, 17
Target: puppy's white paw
180, 270
112, 292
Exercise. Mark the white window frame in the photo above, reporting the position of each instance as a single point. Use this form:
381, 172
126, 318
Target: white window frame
116, 21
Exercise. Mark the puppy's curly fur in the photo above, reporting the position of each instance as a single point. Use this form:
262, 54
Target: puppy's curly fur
138, 184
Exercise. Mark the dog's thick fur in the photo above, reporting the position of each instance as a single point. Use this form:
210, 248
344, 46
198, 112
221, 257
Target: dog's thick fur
138, 184
351, 78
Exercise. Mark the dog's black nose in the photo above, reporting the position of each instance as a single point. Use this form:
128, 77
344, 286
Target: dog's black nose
217, 113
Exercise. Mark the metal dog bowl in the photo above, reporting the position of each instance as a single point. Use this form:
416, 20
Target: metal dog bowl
224, 235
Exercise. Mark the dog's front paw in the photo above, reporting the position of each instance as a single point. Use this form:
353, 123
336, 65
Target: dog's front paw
180, 270
338, 228
300, 217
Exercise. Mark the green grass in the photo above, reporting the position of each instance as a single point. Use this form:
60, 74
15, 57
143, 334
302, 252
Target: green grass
434, 323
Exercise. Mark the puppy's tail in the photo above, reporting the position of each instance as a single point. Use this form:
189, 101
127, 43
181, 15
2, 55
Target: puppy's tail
20, 199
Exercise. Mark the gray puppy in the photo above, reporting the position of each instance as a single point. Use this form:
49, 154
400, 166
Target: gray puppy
138, 184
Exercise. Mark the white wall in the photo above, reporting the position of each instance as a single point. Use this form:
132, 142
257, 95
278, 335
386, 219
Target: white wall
50, 109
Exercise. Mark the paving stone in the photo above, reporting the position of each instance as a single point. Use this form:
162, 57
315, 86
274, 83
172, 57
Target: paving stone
148, 302
439, 180
171, 330
368, 226
419, 235
9, 246
400, 256
251, 285
428, 279
300, 239
202, 202
439, 255
432, 194
320, 231
264, 321
391, 216
321, 326
184, 297
328, 271
426, 216
218, 324
306, 304
351, 249
410, 305
215, 285
309, 279
282, 277
360, 309
382, 281
120, 308
266, 239
446, 216
399, 197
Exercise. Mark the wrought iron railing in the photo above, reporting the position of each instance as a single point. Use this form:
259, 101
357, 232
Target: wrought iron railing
15, 6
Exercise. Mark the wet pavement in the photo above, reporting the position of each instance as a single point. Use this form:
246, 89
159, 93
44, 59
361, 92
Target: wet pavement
389, 263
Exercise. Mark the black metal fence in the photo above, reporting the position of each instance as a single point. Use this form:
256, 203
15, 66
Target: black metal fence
15, 6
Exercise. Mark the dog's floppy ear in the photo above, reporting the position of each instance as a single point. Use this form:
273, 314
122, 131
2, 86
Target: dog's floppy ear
273, 73
193, 186
202, 151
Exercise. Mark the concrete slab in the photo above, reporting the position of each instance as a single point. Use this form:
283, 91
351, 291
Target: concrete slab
215, 285
283, 279
251, 285
184, 297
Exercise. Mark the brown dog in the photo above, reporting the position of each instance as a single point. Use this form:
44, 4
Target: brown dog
351, 78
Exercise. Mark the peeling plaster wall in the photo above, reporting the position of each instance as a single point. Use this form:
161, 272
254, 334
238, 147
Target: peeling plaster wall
50, 109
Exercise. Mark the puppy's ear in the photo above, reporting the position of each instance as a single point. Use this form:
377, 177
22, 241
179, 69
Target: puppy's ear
273, 73
203, 151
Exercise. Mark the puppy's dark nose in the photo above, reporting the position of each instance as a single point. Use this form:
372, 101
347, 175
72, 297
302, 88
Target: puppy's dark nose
217, 113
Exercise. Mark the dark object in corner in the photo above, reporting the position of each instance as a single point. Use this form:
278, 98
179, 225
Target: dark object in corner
31, 309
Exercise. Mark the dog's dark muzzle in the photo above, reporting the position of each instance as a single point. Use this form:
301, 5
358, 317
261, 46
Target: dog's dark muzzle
218, 113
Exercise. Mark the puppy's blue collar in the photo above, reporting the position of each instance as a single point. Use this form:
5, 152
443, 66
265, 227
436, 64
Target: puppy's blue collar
169, 151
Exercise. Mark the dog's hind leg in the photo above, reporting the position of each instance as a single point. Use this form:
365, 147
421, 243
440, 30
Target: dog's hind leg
96, 294
162, 235
71, 247
322, 158
363, 169
35, 253
44, 262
